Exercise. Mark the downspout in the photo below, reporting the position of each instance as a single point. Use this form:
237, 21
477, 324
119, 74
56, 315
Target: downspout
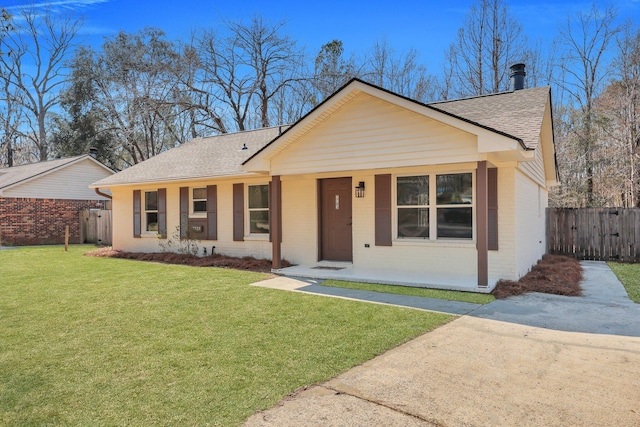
100, 193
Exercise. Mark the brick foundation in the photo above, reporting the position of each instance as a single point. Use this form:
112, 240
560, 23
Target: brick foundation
26, 221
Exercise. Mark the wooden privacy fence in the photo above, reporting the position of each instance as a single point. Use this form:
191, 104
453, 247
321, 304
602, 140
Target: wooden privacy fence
602, 234
95, 226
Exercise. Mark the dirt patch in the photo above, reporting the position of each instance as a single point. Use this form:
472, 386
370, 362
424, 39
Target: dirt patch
215, 260
553, 274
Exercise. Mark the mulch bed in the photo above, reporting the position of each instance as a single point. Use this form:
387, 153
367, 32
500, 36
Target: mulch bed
215, 260
553, 274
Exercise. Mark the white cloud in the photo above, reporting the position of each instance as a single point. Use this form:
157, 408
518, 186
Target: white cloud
55, 5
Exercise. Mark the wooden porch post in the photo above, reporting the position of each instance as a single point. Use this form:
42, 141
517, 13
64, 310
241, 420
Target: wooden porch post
275, 206
482, 222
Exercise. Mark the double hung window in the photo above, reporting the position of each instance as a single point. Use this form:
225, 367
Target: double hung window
199, 200
454, 199
435, 206
258, 209
413, 206
151, 210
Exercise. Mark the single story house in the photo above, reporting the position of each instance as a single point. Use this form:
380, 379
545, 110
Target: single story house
369, 185
38, 201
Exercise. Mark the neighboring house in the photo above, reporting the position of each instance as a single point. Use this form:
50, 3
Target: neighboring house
450, 194
37, 201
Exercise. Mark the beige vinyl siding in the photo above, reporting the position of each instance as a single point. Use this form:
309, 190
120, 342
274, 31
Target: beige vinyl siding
535, 168
70, 182
370, 133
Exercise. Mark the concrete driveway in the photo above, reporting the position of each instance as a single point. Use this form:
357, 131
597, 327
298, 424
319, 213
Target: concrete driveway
479, 372
497, 366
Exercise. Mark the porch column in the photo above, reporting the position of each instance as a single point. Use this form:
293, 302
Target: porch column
482, 223
275, 216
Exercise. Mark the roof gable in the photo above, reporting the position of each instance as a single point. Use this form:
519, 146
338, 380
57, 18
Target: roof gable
367, 132
22, 174
494, 133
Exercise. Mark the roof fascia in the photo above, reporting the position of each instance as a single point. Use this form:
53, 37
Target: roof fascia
178, 180
547, 140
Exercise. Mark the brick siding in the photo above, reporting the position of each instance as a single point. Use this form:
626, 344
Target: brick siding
26, 221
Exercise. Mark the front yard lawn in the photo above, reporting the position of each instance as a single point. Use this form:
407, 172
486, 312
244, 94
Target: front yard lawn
100, 341
629, 275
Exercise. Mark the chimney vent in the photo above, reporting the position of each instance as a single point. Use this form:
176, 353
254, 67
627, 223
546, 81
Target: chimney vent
93, 152
517, 76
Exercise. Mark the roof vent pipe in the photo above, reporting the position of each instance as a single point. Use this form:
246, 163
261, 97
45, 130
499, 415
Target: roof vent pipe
517, 76
93, 152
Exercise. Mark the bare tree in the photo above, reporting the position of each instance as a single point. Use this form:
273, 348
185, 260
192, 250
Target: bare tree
489, 41
619, 106
400, 73
131, 85
10, 120
241, 73
33, 67
332, 70
584, 39
272, 58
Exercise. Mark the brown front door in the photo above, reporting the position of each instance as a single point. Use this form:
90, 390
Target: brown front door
335, 219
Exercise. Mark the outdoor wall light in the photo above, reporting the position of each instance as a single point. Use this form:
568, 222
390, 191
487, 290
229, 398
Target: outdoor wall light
360, 190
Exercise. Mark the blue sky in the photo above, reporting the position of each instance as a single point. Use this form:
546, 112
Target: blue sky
428, 26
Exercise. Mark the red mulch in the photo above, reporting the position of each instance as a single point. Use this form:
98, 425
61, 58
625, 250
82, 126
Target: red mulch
553, 274
215, 260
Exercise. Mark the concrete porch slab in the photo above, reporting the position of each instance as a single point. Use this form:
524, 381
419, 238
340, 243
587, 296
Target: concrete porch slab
346, 271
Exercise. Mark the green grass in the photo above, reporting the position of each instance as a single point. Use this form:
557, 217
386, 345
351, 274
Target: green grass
629, 275
418, 292
98, 341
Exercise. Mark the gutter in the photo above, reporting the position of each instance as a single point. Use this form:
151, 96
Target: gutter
100, 193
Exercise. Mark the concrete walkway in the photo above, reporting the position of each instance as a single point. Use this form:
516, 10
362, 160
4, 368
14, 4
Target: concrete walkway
604, 308
518, 361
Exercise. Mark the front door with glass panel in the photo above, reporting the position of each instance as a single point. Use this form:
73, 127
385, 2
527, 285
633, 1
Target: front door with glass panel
335, 216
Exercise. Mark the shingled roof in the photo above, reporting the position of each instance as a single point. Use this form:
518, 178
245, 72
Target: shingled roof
220, 155
518, 113
16, 174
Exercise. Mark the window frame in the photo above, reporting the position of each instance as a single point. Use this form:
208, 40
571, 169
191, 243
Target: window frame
419, 206
457, 206
192, 200
249, 210
433, 207
144, 224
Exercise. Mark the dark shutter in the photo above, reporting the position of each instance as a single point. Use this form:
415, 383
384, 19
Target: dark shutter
492, 208
383, 210
271, 217
212, 212
162, 212
184, 212
238, 212
137, 213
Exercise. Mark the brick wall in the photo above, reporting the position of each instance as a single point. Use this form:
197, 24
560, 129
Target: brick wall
26, 221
